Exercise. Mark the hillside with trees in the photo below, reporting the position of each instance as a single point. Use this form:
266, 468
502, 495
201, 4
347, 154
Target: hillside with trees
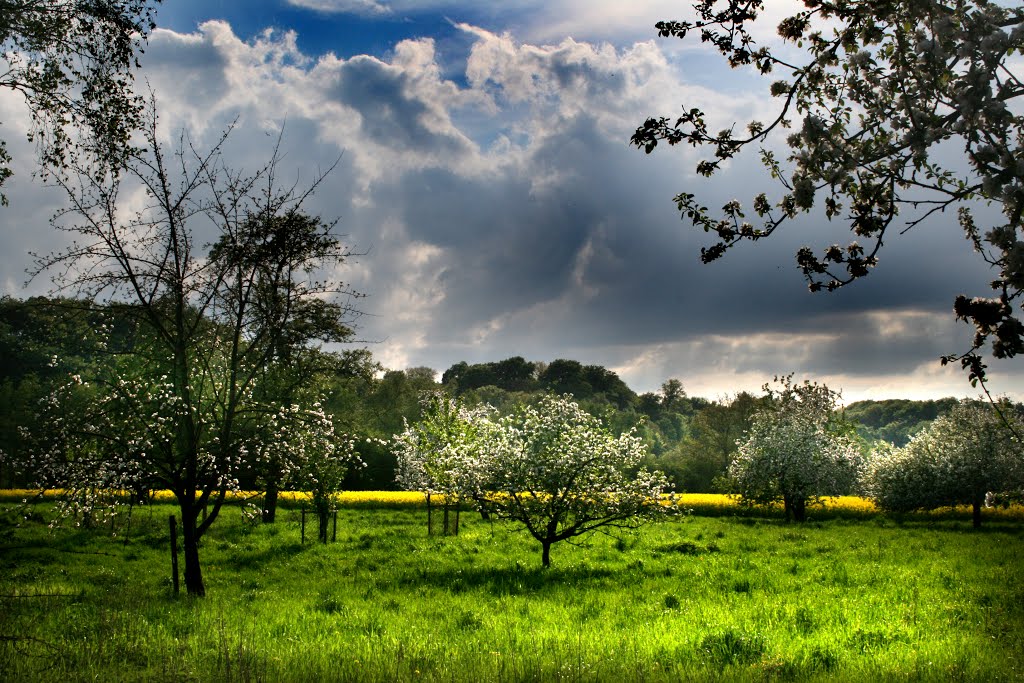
692, 439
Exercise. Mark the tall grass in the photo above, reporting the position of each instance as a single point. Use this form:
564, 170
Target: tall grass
725, 598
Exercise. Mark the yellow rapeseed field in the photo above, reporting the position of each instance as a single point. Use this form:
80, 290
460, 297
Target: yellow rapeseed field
698, 503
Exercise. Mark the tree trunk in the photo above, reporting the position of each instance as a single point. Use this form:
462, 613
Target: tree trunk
482, 507
800, 510
190, 545
976, 513
787, 505
550, 537
323, 513
270, 503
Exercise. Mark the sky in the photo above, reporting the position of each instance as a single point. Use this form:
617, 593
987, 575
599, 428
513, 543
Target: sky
484, 173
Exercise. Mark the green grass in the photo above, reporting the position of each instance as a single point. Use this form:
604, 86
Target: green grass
697, 599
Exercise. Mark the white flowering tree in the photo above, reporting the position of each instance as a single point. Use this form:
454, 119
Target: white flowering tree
444, 453
212, 318
907, 107
561, 473
307, 454
83, 424
796, 450
960, 459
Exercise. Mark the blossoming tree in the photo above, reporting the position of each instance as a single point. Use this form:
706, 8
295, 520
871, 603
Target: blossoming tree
444, 453
561, 473
212, 319
796, 450
552, 467
958, 460
309, 455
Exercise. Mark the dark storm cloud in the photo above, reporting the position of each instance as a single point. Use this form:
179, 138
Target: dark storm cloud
511, 249
546, 234
393, 114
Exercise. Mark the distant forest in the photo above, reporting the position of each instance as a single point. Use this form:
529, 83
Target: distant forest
43, 341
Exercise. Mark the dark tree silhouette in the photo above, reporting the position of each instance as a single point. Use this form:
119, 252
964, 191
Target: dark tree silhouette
216, 318
880, 87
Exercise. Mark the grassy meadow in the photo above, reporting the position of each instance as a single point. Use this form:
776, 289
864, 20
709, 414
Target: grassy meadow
729, 597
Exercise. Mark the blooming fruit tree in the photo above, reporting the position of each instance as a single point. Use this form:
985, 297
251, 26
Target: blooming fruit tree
796, 450
560, 472
308, 455
223, 274
552, 467
443, 453
960, 459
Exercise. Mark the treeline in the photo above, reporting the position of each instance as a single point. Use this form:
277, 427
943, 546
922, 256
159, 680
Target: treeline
895, 420
43, 341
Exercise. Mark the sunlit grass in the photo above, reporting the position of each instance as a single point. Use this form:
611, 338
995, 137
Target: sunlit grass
724, 598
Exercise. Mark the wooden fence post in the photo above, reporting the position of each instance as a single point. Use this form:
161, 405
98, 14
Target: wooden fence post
174, 553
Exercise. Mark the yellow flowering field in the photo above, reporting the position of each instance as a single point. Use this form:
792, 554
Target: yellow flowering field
838, 506
712, 504
346, 498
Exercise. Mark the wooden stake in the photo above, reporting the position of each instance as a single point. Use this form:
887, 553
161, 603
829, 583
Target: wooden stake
174, 553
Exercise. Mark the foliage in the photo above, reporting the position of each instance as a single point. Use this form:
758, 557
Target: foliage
561, 473
960, 458
309, 455
72, 61
394, 399
882, 94
583, 381
42, 342
691, 439
214, 321
299, 376
701, 461
511, 374
551, 466
796, 449
445, 451
895, 420
560, 376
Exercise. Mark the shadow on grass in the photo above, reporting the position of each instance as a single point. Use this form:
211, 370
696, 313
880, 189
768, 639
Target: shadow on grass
263, 557
514, 580
77, 542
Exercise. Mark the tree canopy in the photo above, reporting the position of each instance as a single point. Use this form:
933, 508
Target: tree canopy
891, 107
553, 467
72, 62
960, 458
174, 412
797, 449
